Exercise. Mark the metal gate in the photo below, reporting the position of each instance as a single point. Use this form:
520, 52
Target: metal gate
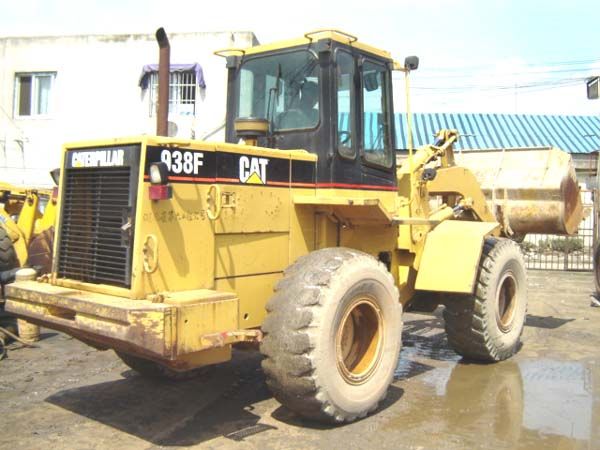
551, 252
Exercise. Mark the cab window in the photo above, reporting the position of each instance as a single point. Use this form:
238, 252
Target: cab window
375, 124
282, 88
345, 104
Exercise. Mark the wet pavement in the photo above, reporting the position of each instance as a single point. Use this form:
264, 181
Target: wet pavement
67, 395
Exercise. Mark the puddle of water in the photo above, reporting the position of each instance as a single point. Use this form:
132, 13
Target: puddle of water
527, 405
416, 348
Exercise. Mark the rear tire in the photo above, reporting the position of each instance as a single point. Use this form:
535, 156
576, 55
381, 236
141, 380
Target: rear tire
332, 335
487, 325
152, 369
8, 256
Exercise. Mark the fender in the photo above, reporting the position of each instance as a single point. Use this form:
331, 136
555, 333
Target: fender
451, 256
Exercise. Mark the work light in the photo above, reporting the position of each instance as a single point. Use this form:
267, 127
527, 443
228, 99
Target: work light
159, 173
159, 182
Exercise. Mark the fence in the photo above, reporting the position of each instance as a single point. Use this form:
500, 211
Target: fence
550, 252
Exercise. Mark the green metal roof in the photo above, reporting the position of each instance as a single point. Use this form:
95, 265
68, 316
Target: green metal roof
574, 134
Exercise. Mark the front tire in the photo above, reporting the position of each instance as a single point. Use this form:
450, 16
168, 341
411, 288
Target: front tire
487, 325
332, 335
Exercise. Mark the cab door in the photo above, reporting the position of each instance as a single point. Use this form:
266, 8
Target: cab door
363, 150
376, 124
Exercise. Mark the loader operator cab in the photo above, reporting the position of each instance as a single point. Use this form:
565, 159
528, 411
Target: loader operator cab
326, 93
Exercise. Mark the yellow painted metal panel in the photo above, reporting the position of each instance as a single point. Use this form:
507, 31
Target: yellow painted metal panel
165, 233
253, 292
250, 253
182, 234
182, 298
103, 319
451, 256
182, 263
98, 288
162, 330
387, 198
194, 321
335, 201
327, 231
350, 211
302, 228
369, 239
264, 209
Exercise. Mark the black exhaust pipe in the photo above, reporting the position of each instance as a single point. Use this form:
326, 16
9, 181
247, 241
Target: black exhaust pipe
164, 63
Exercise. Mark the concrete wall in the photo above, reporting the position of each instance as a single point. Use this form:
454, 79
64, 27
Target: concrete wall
96, 93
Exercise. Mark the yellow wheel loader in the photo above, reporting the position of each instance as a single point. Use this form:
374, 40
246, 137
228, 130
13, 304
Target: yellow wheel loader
27, 217
299, 233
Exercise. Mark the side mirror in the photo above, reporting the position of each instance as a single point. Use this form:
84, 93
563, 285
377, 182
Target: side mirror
411, 63
55, 174
371, 81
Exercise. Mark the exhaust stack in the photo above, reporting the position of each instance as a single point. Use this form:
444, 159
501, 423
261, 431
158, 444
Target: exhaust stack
164, 63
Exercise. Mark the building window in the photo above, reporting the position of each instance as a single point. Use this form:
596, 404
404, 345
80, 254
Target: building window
182, 93
33, 93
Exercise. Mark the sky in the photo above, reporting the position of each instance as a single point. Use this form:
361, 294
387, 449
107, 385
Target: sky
481, 56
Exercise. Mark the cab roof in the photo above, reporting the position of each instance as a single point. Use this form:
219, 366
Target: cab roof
314, 36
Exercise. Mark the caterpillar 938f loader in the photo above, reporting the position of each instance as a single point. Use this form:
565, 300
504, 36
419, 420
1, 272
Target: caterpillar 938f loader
299, 233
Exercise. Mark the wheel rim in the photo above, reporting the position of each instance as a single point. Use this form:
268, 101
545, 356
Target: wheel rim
506, 298
359, 340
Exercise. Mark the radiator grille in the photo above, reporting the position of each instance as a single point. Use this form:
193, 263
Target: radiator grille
93, 247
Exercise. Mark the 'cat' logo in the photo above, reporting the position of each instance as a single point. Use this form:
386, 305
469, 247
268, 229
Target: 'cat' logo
253, 170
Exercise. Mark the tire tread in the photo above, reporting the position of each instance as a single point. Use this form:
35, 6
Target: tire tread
289, 362
466, 316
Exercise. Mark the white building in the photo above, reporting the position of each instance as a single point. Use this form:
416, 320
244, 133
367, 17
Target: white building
62, 89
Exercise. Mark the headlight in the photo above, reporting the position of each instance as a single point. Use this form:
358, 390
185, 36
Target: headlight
159, 173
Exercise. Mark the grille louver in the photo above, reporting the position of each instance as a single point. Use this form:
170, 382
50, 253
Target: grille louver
93, 248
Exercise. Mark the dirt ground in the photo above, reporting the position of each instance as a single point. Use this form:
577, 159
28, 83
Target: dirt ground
67, 395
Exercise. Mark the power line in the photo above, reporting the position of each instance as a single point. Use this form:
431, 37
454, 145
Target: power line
506, 85
483, 73
494, 91
531, 64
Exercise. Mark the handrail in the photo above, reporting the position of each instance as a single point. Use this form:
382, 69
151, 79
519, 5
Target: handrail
223, 52
350, 37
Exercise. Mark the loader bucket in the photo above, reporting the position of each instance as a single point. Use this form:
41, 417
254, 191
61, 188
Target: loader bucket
530, 190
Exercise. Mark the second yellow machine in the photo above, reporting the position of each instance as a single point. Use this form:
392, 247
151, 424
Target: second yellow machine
298, 233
